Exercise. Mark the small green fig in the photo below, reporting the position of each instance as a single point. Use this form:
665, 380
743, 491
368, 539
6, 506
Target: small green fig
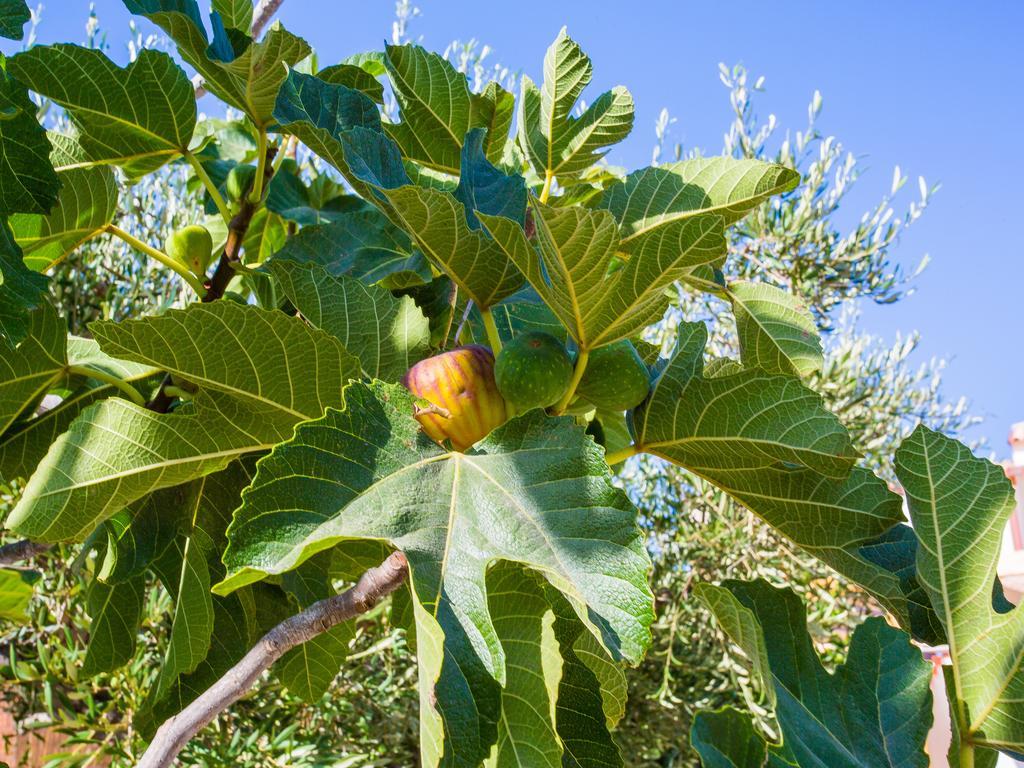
615, 378
239, 181
193, 247
533, 371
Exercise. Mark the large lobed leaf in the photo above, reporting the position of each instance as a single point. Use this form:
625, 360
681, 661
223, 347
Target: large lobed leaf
776, 332
14, 14
28, 183
342, 125
242, 72
474, 262
438, 110
873, 711
86, 205
555, 142
138, 117
959, 505
573, 270
28, 371
651, 204
388, 335
535, 492
363, 244
16, 593
21, 289
767, 441
269, 372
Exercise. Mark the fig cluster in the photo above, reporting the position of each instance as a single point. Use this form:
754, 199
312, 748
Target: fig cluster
466, 393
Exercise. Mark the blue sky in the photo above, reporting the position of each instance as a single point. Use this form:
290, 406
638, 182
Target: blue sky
926, 85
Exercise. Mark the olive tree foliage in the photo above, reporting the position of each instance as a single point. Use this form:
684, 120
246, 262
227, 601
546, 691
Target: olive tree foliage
696, 531
253, 452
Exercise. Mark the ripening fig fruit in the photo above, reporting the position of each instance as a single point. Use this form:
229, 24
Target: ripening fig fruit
615, 378
193, 247
239, 181
465, 402
533, 371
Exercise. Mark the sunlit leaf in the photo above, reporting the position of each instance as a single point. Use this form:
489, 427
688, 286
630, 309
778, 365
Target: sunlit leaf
572, 270
652, 203
556, 142
472, 260
519, 497
86, 205
270, 372
138, 117
768, 442
245, 74
15, 593
388, 335
959, 505
776, 332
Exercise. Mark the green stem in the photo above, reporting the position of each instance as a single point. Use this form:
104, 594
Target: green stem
178, 392
546, 191
966, 754
492, 331
261, 168
215, 194
616, 457
108, 378
577, 374
163, 258
282, 153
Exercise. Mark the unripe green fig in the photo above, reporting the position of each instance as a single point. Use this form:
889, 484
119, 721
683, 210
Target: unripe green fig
193, 247
465, 404
239, 181
615, 378
533, 371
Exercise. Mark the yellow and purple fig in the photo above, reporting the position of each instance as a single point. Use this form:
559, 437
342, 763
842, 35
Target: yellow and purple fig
465, 404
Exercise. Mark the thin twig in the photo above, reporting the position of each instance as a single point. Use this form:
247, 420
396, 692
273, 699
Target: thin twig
371, 588
260, 18
18, 551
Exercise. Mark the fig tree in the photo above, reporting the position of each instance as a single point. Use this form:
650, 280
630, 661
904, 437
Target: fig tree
239, 181
533, 371
193, 247
464, 402
615, 378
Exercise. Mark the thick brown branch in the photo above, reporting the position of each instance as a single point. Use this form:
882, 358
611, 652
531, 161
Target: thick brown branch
225, 271
371, 588
237, 229
260, 18
18, 551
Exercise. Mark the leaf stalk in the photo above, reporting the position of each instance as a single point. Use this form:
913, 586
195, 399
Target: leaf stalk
492, 331
545, 193
257, 184
617, 457
577, 375
108, 378
215, 195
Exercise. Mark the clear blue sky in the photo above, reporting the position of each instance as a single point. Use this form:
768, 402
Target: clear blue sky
926, 85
